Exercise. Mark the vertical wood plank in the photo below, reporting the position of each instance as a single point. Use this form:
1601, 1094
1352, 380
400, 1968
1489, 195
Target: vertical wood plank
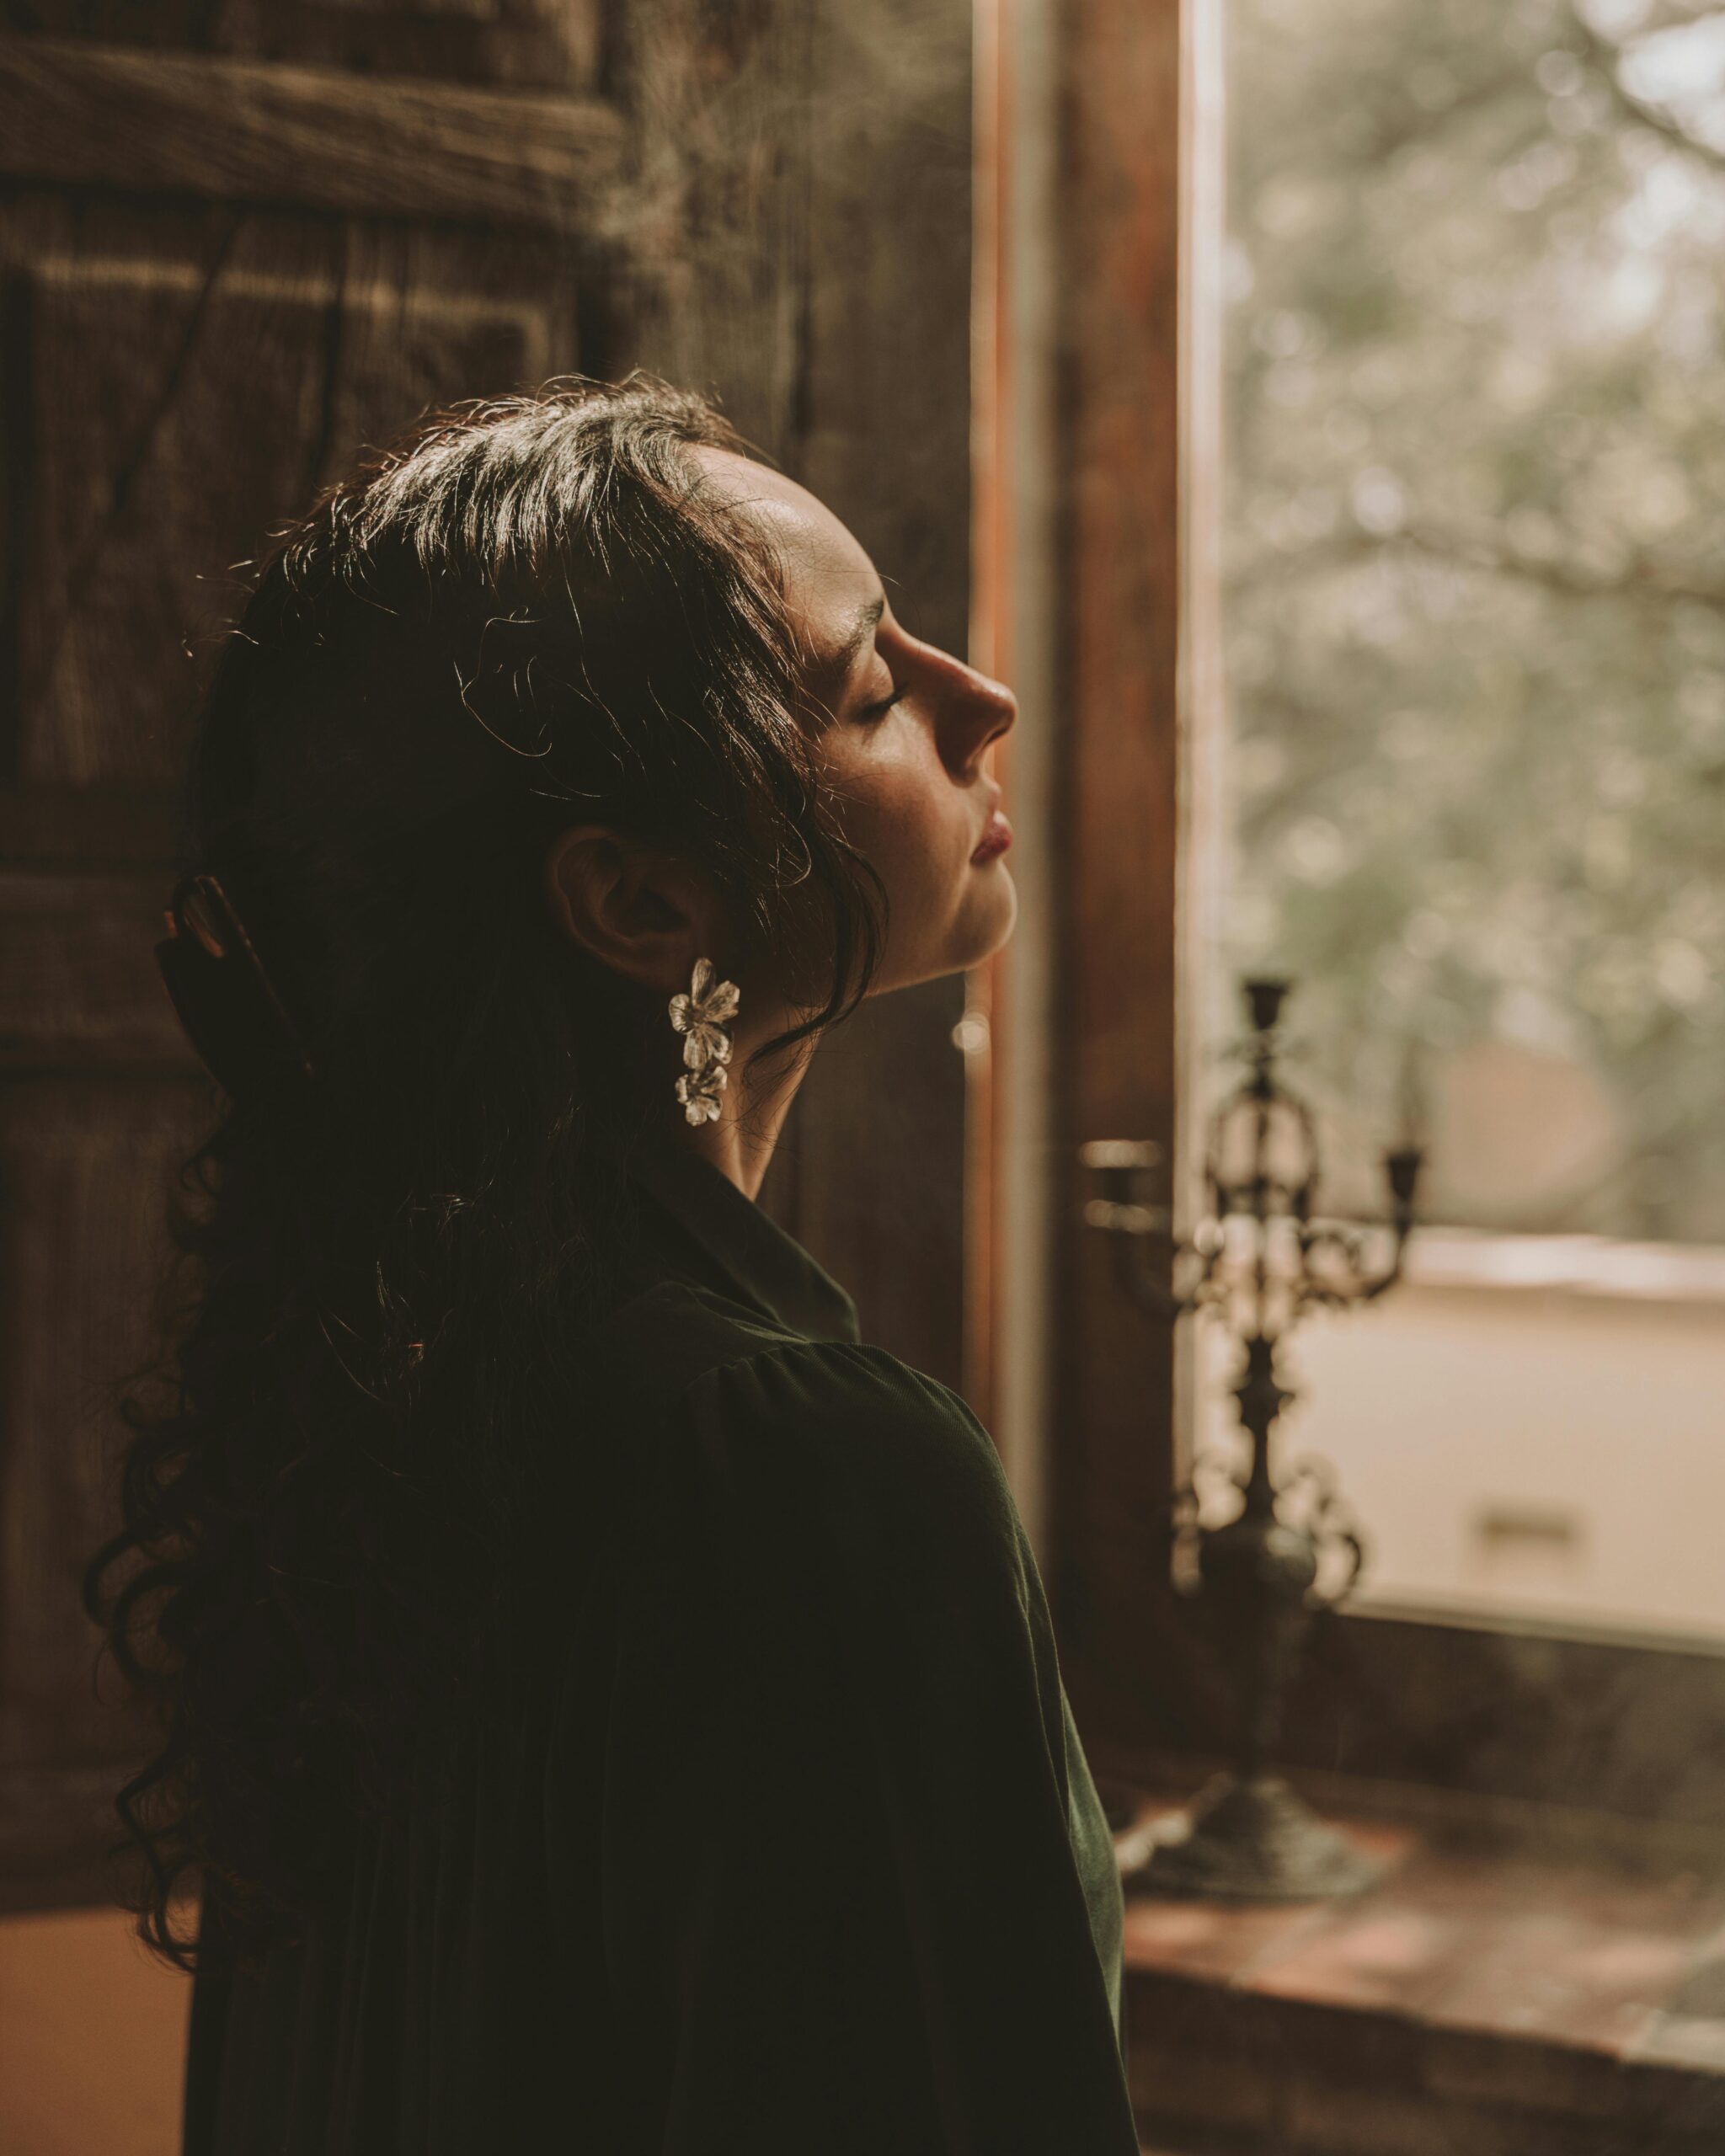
802, 247
193, 379
879, 1133
416, 311
173, 399
181, 380
1122, 87
708, 274
85, 1169
987, 1008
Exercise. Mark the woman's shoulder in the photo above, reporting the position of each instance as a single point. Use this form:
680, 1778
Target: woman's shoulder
782, 1450
840, 1397
676, 1337
844, 1444
759, 1399
649, 1348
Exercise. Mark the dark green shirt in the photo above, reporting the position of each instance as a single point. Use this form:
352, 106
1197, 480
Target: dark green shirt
793, 1852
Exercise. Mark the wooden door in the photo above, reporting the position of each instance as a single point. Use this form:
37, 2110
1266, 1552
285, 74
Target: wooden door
236, 241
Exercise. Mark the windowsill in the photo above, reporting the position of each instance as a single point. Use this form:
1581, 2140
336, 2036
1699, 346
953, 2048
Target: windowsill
1526, 1619
1491, 1996
1472, 1260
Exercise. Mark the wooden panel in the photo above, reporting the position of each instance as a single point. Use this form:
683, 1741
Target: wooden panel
886, 373
427, 315
193, 377
79, 984
235, 130
57, 1828
85, 826
543, 45
179, 374
708, 285
147, 345
84, 1171
1119, 429
178, 380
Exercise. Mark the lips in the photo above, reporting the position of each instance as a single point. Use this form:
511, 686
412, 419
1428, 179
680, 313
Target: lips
995, 838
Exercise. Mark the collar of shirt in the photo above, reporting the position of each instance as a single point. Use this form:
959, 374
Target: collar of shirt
731, 1244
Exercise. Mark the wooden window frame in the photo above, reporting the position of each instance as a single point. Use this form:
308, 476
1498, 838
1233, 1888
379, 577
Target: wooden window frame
1103, 415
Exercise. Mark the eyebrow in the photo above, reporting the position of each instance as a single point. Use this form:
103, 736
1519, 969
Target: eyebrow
867, 622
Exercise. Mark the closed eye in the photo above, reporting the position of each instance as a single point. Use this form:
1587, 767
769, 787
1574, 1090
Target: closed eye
876, 712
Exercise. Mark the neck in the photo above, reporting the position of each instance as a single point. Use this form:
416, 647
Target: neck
740, 1140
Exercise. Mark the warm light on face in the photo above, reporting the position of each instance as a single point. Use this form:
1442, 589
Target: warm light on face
904, 732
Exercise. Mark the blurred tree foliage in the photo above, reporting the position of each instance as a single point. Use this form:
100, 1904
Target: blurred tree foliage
1476, 597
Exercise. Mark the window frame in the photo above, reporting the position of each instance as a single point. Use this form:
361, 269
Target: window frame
1111, 427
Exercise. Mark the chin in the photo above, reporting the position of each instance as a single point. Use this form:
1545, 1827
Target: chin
989, 923
985, 924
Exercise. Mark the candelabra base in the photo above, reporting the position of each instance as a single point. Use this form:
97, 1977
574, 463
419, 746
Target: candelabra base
1253, 1840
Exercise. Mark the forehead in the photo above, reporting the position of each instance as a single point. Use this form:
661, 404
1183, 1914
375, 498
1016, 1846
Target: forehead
828, 576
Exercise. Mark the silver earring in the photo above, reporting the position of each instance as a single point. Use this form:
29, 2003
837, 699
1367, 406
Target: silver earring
700, 1017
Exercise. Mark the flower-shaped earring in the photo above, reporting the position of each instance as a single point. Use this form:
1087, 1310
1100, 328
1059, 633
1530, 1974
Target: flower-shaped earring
700, 1017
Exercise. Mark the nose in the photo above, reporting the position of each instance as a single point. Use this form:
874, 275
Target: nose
975, 710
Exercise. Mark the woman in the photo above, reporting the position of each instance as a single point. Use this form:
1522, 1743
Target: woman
607, 1706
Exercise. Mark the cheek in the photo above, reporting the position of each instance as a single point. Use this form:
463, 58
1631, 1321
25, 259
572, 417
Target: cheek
916, 835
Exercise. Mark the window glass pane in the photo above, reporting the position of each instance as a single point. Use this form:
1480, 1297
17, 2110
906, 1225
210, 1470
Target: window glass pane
1475, 759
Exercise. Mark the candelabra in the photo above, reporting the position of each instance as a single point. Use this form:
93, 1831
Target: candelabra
1258, 1262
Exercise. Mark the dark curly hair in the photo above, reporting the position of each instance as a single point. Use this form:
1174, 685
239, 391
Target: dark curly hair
526, 613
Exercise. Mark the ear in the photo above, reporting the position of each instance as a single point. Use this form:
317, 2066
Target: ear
643, 913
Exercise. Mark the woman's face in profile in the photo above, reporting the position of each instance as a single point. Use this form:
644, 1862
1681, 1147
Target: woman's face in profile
902, 728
